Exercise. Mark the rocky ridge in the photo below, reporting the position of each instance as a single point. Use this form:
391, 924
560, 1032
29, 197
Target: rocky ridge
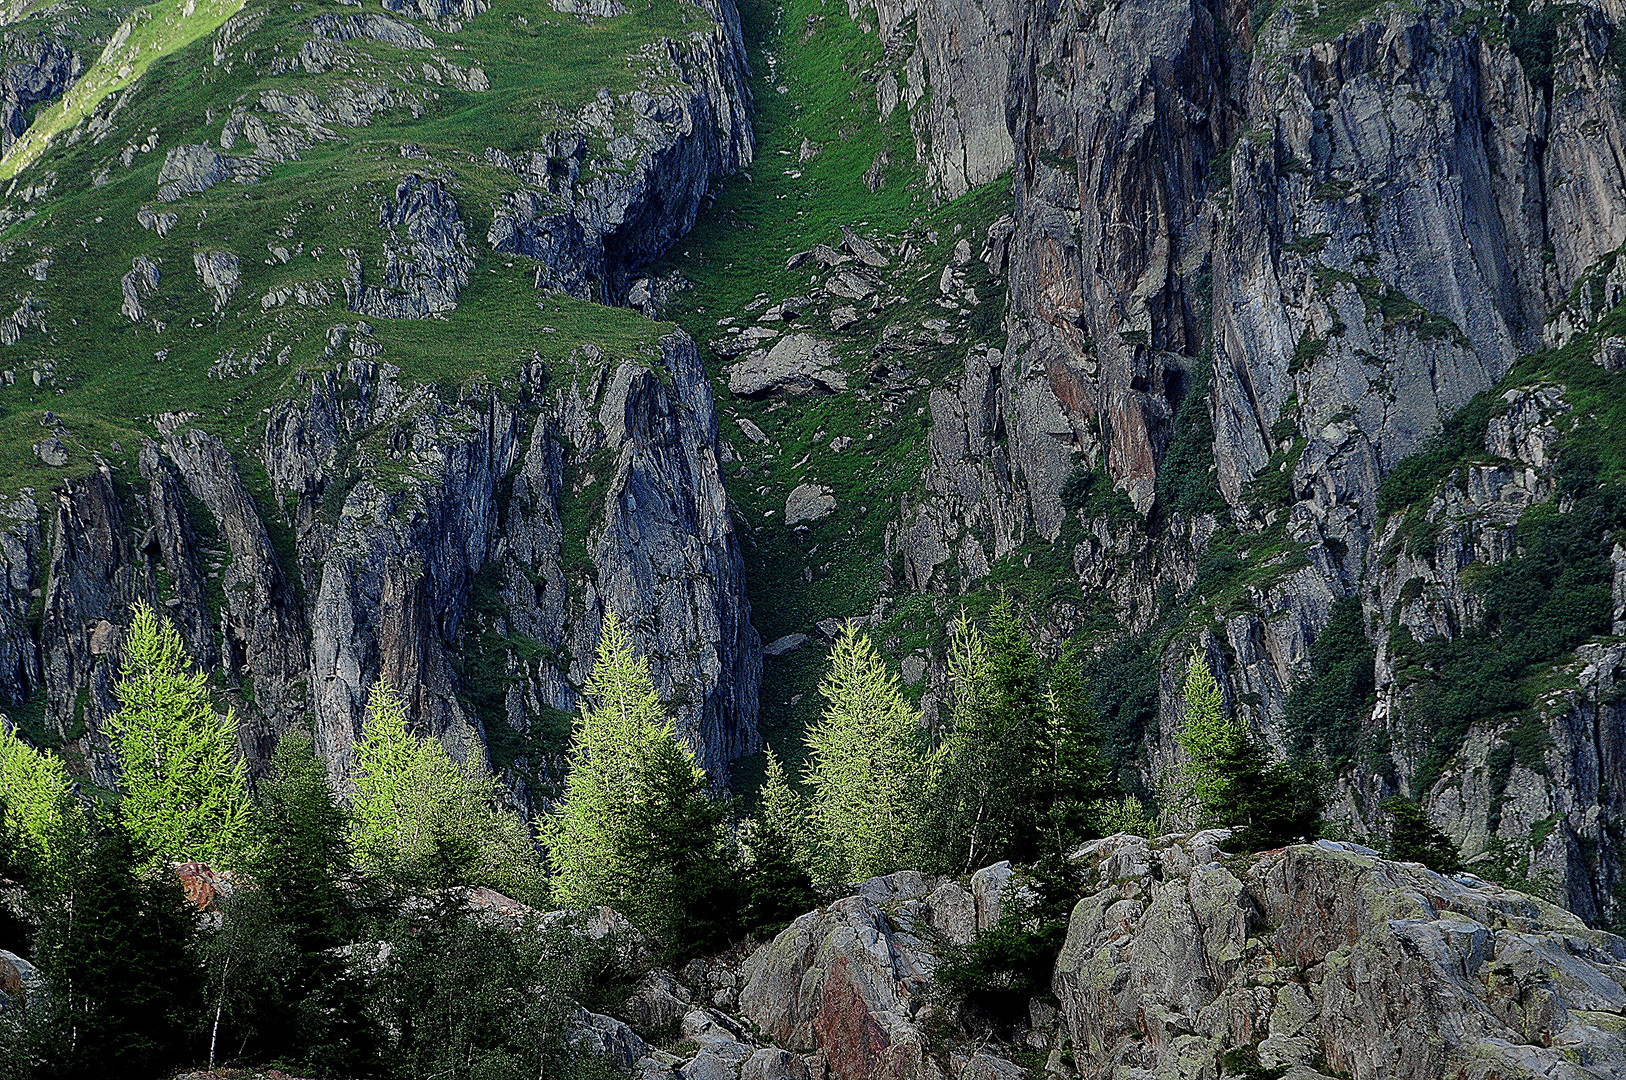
1179, 960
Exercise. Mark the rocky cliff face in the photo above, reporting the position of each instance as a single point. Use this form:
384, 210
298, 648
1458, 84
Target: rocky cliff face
376, 509
400, 499
1255, 257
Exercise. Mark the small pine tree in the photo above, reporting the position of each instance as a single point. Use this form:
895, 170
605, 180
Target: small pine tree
1231, 777
44, 823
301, 853
422, 820
866, 765
777, 884
1413, 838
1076, 775
118, 953
185, 794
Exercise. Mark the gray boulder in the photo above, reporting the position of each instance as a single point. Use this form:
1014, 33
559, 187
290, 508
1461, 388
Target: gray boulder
808, 502
797, 364
1176, 955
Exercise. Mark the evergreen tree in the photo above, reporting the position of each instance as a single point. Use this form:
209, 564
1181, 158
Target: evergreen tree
118, 952
636, 828
866, 765
1231, 777
1006, 782
274, 975
688, 892
1077, 779
185, 795
1413, 838
44, 824
422, 820
778, 886
301, 853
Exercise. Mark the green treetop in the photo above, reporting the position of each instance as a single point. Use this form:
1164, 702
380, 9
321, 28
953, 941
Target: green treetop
866, 767
185, 795
421, 819
43, 821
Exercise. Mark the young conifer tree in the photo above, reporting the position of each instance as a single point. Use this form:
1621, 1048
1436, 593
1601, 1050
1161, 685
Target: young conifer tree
636, 828
866, 767
1231, 776
44, 824
779, 886
185, 798
423, 820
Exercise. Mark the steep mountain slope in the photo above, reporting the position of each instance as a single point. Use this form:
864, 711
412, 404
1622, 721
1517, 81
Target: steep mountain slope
296, 348
1254, 259
1288, 331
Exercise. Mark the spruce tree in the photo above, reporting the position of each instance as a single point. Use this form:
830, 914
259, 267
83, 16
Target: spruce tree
1413, 838
422, 820
778, 885
1231, 776
118, 952
185, 794
636, 828
1077, 780
866, 765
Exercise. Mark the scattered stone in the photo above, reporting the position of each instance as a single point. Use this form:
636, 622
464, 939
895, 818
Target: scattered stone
140, 283
830, 629
962, 252
809, 502
660, 1002
739, 342
20, 981
787, 644
840, 443
220, 271
863, 250
52, 452
159, 222
371, 26
843, 317
875, 175
797, 363
807, 151
850, 285
914, 668
752, 432
828, 257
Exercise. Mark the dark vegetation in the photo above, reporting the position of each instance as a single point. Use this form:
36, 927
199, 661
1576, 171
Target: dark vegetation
1325, 711
1412, 838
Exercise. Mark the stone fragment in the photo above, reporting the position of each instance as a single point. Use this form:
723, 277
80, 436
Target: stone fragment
809, 502
52, 452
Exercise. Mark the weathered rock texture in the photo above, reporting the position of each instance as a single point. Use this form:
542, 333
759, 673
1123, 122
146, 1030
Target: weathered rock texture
1308, 238
1328, 959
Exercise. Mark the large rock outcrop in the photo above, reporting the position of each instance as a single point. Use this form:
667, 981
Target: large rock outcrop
1327, 960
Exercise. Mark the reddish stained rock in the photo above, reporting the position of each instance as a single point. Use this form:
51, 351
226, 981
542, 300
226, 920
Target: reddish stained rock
846, 1031
203, 885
